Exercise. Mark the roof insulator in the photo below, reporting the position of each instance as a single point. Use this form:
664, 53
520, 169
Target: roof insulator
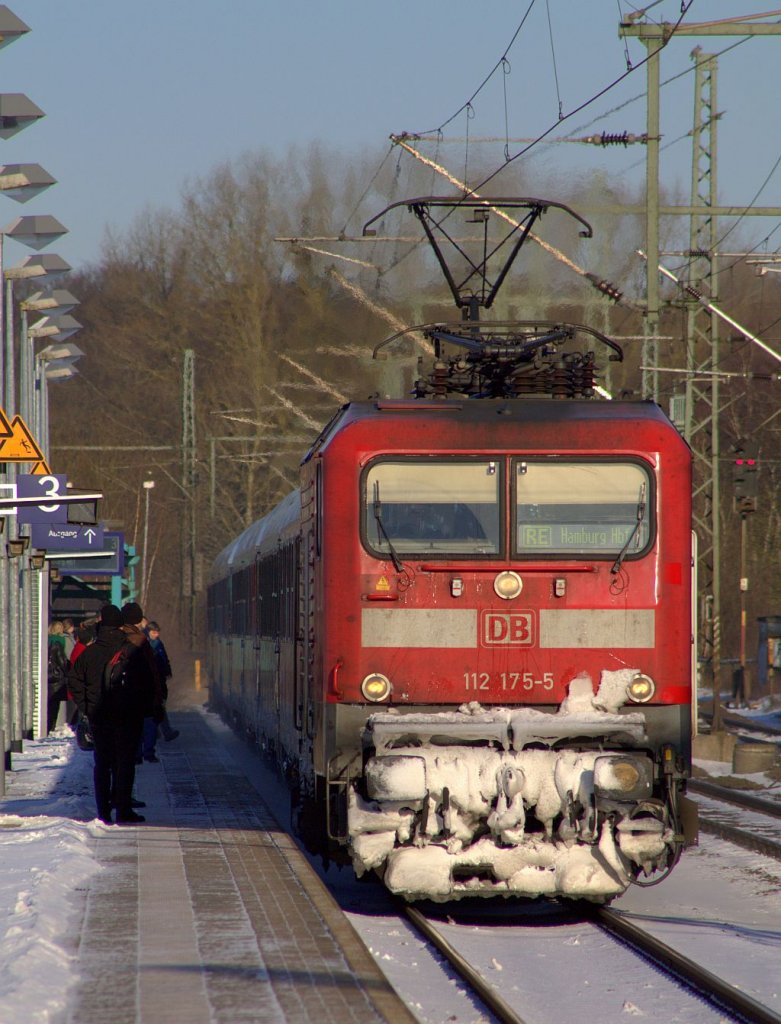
605, 287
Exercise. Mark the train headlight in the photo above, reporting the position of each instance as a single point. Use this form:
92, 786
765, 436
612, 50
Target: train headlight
376, 687
396, 778
623, 777
508, 584
641, 689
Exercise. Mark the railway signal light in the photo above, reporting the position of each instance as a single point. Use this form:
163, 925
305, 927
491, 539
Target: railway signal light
744, 475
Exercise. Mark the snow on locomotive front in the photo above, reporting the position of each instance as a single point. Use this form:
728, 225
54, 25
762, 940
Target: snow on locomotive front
501, 613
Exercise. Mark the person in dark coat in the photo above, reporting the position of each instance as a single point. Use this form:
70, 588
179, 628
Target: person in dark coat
56, 674
85, 635
115, 715
133, 627
164, 669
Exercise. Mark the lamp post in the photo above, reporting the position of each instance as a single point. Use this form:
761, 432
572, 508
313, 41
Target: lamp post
53, 363
148, 485
35, 589
16, 113
23, 182
56, 302
11, 27
19, 181
35, 232
42, 264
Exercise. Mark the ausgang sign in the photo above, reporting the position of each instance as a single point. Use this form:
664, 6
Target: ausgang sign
65, 537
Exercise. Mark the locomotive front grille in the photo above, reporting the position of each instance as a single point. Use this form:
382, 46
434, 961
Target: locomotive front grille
513, 800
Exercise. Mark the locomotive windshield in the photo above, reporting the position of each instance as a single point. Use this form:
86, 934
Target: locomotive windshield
581, 508
453, 507
436, 507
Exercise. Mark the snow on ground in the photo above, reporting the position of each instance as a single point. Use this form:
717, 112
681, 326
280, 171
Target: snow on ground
46, 855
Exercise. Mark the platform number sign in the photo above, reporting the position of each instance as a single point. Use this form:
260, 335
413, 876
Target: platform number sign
48, 488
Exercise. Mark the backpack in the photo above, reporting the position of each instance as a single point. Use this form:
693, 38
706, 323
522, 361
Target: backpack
57, 667
115, 673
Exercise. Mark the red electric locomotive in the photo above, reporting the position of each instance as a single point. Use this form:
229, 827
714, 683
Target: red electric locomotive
468, 635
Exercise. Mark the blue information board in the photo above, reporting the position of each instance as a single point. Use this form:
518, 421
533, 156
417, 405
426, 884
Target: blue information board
65, 537
109, 562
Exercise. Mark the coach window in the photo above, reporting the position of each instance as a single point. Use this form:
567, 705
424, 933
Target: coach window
580, 508
436, 507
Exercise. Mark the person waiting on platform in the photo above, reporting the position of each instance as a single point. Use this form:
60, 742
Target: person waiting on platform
56, 674
133, 623
115, 713
164, 668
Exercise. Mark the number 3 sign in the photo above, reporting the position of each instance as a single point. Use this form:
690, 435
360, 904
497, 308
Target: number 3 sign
29, 485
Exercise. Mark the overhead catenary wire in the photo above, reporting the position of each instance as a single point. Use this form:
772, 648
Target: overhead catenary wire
756, 196
334, 255
713, 308
322, 384
292, 407
582, 106
603, 286
360, 295
488, 77
685, 6
553, 59
707, 374
668, 81
366, 190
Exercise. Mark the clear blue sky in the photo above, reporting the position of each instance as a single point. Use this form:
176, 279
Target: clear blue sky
140, 96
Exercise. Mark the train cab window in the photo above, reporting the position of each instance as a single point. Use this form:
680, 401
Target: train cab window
436, 507
580, 508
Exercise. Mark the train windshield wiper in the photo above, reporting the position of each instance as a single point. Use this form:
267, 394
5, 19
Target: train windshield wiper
377, 508
640, 516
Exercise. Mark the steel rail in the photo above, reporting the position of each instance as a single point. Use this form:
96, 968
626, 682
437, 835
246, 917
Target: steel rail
500, 1009
694, 976
740, 798
740, 837
752, 725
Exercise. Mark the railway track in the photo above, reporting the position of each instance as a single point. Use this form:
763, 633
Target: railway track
748, 839
684, 971
750, 724
706, 984
744, 723
738, 797
486, 993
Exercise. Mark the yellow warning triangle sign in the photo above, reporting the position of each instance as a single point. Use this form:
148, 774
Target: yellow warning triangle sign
21, 446
5, 427
41, 469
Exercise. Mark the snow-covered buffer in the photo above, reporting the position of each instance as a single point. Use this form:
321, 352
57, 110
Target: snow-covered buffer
515, 801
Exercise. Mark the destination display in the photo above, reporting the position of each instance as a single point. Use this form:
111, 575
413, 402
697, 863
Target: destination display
583, 537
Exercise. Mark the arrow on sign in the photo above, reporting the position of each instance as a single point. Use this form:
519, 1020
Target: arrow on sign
90, 534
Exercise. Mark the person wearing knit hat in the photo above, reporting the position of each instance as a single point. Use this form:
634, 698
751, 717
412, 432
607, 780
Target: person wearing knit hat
115, 716
132, 614
148, 678
110, 616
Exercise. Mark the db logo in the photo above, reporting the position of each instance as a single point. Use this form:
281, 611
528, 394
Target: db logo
514, 629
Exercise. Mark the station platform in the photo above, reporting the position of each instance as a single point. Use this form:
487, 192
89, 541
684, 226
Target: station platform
209, 913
